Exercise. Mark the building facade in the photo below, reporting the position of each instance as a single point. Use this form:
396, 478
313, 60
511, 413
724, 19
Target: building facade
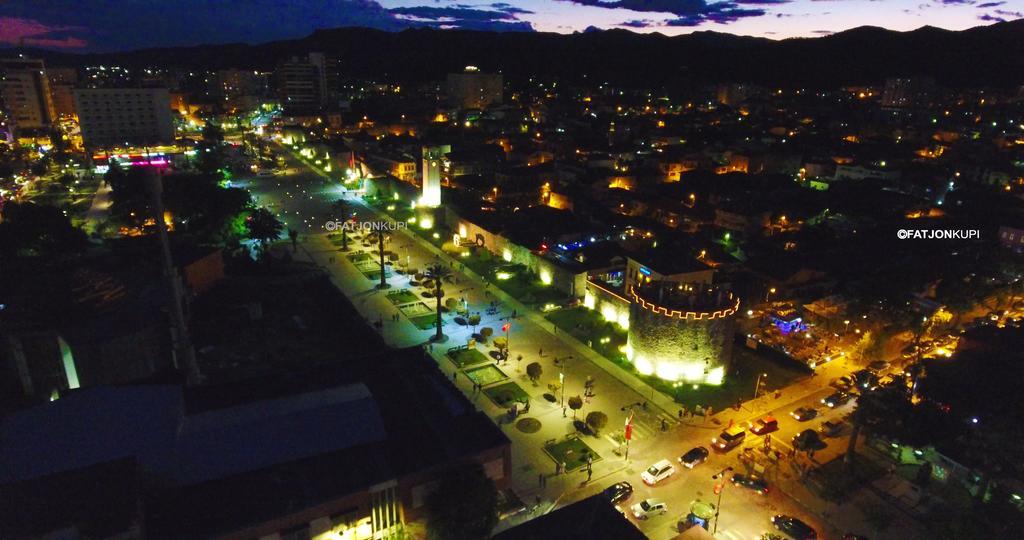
473, 89
124, 116
26, 93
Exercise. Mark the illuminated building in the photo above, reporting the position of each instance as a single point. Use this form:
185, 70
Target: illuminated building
26, 93
473, 89
62, 88
432, 156
681, 332
124, 116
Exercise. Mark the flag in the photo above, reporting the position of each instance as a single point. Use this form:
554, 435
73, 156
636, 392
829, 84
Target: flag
506, 327
629, 426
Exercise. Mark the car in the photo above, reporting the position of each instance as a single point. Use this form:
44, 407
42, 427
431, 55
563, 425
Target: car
265, 173
694, 457
843, 383
750, 482
657, 472
832, 428
729, 439
804, 414
836, 399
649, 507
764, 426
807, 440
878, 366
866, 380
793, 527
616, 493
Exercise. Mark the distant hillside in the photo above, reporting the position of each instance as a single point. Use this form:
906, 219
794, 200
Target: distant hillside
983, 56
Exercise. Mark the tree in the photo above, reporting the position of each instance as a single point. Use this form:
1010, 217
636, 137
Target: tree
381, 237
342, 212
473, 320
534, 371
293, 235
438, 274
263, 227
596, 421
31, 229
575, 403
464, 506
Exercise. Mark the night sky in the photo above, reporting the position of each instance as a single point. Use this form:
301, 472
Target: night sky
111, 25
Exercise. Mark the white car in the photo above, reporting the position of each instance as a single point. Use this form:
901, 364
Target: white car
648, 507
658, 472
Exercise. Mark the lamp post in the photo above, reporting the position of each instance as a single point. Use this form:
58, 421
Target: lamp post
769, 293
846, 327
718, 507
757, 387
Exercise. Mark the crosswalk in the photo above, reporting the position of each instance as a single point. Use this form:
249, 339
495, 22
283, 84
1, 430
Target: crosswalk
645, 426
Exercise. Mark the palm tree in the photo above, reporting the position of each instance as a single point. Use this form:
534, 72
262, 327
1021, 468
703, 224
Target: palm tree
438, 274
342, 211
264, 227
382, 237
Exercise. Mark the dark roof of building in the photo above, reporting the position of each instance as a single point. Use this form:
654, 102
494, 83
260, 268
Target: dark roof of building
593, 518
669, 261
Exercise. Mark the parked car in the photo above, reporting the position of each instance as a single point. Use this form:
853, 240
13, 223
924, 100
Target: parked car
764, 426
729, 439
616, 493
878, 366
694, 457
808, 439
794, 528
750, 482
649, 507
804, 414
866, 380
836, 399
832, 428
843, 383
657, 472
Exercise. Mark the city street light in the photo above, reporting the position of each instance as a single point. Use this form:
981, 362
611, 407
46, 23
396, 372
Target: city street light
757, 387
769, 293
561, 377
847, 329
718, 507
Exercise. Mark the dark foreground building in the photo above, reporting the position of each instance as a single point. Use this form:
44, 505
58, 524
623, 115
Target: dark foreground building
349, 451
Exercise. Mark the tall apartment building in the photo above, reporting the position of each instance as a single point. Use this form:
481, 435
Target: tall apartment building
26, 93
308, 82
124, 116
473, 89
62, 89
902, 92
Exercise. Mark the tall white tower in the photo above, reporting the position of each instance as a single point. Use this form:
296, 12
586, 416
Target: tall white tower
432, 156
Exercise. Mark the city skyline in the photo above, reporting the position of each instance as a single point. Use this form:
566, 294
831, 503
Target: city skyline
93, 26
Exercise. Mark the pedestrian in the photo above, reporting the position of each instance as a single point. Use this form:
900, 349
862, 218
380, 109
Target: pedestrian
563, 411
590, 473
540, 483
540, 352
455, 375
664, 425
680, 414
538, 496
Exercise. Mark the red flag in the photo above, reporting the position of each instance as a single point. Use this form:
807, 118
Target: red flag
506, 327
629, 426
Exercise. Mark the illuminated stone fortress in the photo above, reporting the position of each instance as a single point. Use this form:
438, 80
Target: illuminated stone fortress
681, 331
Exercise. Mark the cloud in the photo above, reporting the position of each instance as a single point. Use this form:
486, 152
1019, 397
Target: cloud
111, 25
463, 17
32, 33
955, 2
990, 18
639, 23
990, 5
688, 12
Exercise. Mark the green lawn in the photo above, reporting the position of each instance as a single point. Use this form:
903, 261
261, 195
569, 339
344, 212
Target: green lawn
468, 357
401, 297
425, 322
573, 452
503, 395
591, 328
485, 375
522, 285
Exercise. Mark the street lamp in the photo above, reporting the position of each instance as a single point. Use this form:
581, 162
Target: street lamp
561, 377
718, 507
847, 327
769, 293
757, 387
